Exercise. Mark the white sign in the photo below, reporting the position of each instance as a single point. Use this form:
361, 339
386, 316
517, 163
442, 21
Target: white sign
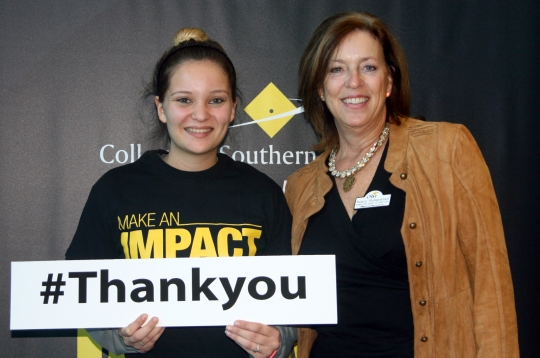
180, 292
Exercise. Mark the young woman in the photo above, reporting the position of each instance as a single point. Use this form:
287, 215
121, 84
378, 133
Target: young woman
195, 95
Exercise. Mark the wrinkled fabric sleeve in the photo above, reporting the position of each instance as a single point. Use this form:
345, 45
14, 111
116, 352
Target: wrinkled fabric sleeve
287, 340
111, 340
481, 239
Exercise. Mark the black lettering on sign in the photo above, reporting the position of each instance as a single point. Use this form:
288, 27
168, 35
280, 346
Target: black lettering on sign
105, 284
180, 289
286, 292
82, 276
232, 294
197, 289
148, 291
270, 288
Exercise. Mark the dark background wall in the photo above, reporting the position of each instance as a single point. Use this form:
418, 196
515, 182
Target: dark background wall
71, 73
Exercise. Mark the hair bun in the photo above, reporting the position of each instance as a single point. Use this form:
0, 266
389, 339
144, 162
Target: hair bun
189, 33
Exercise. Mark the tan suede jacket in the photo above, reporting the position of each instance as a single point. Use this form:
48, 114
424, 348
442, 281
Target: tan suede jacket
461, 289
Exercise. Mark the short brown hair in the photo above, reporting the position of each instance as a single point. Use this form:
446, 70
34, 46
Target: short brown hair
316, 57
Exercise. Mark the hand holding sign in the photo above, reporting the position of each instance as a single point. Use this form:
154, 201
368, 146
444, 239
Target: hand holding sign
258, 339
140, 336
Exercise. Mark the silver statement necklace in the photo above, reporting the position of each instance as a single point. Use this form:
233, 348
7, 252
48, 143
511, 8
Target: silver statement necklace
349, 173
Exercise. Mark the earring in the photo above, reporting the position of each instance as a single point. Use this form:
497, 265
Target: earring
322, 97
387, 94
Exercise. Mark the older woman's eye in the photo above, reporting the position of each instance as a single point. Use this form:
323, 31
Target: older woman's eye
370, 68
335, 69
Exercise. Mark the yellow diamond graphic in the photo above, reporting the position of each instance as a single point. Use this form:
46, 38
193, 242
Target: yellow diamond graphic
270, 102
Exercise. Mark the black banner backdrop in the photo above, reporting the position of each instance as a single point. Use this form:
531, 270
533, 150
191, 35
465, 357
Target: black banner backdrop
71, 74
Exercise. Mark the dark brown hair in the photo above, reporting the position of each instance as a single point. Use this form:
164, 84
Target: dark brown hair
189, 44
315, 60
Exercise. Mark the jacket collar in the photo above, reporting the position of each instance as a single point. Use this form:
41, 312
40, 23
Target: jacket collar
322, 182
398, 143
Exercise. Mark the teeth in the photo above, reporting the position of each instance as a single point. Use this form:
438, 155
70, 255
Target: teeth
355, 100
195, 130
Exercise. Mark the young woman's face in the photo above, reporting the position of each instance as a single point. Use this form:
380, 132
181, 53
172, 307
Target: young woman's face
357, 83
197, 108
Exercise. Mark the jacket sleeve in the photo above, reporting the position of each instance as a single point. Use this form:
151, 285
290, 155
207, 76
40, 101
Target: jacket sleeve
289, 192
481, 239
287, 340
111, 340
297, 228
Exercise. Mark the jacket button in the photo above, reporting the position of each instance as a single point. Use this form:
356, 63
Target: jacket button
403, 176
412, 225
422, 303
423, 339
418, 263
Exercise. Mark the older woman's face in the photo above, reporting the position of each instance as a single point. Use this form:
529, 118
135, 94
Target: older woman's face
357, 84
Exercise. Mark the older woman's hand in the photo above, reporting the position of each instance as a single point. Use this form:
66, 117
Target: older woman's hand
141, 337
258, 339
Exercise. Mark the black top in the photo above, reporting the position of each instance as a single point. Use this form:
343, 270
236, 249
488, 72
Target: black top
130, 201
374, 307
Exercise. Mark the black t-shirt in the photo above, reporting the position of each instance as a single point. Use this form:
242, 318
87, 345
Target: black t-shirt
149, 209
373, 297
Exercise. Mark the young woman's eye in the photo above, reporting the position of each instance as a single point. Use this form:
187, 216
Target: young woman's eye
217, 101
183, 100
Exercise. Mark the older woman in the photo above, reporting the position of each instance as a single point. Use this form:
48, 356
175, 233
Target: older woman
407, 207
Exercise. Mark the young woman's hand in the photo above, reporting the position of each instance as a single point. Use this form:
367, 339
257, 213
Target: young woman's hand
139, 337
258, 339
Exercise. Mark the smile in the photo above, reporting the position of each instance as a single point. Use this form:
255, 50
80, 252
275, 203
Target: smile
197, 130
355, 100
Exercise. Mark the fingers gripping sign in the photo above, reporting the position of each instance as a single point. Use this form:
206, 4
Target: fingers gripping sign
258, 339
141, 336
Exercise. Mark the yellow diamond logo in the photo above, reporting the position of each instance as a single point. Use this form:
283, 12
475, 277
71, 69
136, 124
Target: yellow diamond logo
269, 103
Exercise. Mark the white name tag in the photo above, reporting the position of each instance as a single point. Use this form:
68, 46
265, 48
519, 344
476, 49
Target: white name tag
372, 199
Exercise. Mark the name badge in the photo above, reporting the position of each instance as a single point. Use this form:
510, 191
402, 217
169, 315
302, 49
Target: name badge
372, 199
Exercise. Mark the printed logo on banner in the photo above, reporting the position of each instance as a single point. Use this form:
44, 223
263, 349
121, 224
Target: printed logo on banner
271, 104
271, 110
